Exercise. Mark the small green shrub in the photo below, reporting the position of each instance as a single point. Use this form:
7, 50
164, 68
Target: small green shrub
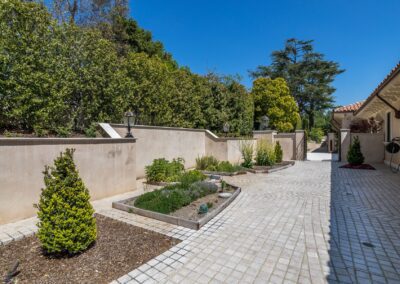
211, 164
164, 170
278, 152
265, 153
174, 197
206, 162
316, 134
210, 205
40, 131
66, 223
191, 177
247, 150
354, 155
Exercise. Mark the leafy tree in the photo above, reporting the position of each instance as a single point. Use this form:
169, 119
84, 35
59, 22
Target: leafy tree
308, 74
354, 155
66, 222
272, 98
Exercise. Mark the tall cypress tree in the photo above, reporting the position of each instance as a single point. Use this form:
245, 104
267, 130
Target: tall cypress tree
308, 74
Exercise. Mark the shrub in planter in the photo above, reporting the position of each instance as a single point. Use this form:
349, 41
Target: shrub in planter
66, 223
206, 162
278, 152
247, 150
164, 170
354, 155
191, 177
265, 153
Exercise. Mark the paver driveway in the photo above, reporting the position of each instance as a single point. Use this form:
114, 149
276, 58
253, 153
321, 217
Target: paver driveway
306, 224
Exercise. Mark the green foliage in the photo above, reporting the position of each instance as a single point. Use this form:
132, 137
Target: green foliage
174, 197
246, 148
210, 205
210, 163
308, 74
66, 222
316, 134
191, 177
278, 152
272, 98
354, 155
57, 78
265, 153
164, 170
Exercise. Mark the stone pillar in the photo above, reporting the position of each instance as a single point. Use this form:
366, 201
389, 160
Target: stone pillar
265, 134
345, 140
299, 144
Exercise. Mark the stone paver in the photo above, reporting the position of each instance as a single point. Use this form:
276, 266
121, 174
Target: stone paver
306, 224
311, 223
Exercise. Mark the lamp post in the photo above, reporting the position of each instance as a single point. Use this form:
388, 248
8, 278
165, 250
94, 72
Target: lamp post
128, 116
225, 128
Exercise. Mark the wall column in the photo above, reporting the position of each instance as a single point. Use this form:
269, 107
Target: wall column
345, 140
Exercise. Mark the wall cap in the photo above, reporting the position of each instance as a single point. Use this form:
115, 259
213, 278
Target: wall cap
62, 141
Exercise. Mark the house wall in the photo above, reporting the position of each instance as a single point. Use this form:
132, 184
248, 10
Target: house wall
107, 167
371, 146
395, 131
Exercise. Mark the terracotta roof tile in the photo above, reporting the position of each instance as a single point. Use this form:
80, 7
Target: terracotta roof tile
349, 108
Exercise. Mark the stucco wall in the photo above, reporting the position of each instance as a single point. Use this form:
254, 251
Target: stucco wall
372, 146
107, 167
165, 142
287, 141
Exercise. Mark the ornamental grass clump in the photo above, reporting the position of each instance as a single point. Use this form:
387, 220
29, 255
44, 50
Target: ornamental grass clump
66, 223
247, 150
354, 155
278, 152
265, 153
211, 164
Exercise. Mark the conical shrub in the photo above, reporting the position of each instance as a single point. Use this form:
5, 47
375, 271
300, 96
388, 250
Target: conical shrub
278, 152
66, 223
354, 155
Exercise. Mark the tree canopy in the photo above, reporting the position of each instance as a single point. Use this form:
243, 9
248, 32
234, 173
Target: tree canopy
308, 74
272, 98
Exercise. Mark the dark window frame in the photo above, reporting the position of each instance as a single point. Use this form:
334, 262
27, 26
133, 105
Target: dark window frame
388, 126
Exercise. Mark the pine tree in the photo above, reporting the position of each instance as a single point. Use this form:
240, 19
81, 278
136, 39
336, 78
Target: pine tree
66, 222
354, 155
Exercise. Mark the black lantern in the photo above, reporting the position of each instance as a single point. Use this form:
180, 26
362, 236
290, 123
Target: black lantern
225, 128
128, 116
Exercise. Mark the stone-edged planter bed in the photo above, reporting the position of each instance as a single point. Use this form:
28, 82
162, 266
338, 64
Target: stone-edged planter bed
213, 173
183, 216
271, 169
119, 249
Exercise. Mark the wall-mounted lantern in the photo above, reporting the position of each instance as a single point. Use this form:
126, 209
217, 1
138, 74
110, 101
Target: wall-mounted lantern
129, 115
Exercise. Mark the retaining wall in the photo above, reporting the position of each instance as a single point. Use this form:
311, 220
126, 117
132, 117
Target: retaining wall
107, 167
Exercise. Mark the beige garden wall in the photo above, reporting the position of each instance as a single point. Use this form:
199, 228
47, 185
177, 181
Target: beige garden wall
155, 142
372, 145
287, 142
107, 167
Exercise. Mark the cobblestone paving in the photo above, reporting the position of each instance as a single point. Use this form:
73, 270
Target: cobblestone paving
306, 224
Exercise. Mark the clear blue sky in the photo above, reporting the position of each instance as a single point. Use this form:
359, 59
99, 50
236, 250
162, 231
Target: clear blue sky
232, 37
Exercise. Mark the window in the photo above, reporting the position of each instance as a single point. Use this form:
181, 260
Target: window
388, 127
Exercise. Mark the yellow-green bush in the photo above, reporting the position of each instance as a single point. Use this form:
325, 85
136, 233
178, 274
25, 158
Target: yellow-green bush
66, 223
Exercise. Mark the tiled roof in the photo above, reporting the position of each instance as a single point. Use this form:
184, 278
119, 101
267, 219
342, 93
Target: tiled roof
387, 79
349, 108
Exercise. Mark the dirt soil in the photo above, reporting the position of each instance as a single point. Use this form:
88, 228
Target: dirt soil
190, 212
119, 249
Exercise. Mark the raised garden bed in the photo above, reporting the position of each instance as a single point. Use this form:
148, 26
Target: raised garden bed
216, 173
271, 169
119, 249
186, 216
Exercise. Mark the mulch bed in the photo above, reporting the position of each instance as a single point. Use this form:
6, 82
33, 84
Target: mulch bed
358, 167
119, 249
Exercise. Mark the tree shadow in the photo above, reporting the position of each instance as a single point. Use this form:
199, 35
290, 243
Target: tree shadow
364, 226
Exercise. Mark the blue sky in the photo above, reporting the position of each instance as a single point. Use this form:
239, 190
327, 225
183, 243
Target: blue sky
233, 37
